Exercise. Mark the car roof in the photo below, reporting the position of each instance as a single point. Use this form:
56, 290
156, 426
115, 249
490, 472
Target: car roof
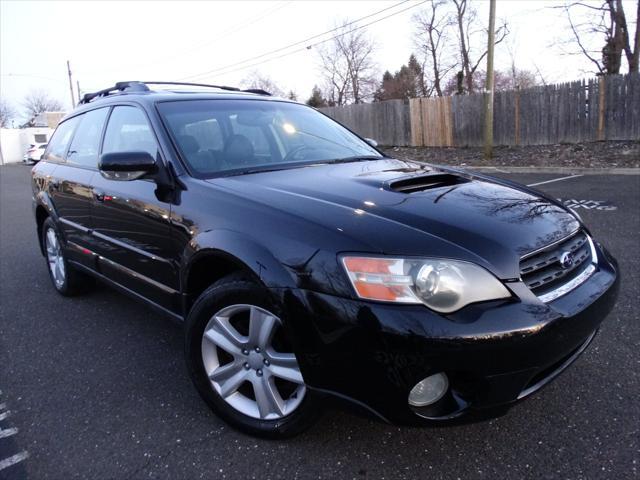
154, 96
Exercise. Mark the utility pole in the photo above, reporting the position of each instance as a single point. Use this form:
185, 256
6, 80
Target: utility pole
73, 100
78, 90
489, 87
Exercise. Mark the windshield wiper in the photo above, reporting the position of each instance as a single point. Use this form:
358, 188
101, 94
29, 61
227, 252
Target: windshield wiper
256, 170
289, 166
355, 158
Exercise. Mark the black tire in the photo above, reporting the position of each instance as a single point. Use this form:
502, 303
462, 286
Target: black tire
75, 282
233, 290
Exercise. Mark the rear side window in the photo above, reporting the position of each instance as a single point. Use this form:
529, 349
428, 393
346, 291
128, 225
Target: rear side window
129, 131
86, 141
60, 140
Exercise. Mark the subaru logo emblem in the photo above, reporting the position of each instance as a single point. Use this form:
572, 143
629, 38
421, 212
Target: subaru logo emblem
566, 259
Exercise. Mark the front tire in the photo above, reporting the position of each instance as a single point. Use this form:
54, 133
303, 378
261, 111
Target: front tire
242, 364
65, 278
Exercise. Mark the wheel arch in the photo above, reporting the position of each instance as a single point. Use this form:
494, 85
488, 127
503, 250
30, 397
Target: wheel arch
213, 255
43, 210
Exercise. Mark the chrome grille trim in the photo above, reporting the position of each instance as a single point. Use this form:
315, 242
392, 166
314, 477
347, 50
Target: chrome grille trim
567, 287
550, 275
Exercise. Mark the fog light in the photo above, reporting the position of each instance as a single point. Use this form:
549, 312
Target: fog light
429, 390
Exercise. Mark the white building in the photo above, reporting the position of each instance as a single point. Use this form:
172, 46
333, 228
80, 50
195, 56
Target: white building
14, 142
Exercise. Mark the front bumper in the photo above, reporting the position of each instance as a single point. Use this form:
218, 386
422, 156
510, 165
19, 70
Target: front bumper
494, 353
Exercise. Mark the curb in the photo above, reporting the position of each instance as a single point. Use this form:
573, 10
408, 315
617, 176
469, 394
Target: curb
557, 170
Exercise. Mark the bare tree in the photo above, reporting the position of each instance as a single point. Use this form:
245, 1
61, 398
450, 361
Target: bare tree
347, 66
7, 113
503, 80
432, 34
336, 76
466, 18
259, 81
517, 78
594, 24
38, 101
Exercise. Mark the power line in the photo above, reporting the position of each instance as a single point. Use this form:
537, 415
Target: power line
235, 28
232, 30
215, 70
306, 47
30, 75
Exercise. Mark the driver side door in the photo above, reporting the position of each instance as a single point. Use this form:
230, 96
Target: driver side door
131, 227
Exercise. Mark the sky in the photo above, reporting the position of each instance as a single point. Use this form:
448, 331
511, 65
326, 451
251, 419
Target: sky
207, 42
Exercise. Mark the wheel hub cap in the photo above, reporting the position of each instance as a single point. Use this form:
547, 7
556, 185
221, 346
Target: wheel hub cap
256, 361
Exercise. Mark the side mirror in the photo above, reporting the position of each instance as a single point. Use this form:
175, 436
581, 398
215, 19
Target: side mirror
126, 165
371, 142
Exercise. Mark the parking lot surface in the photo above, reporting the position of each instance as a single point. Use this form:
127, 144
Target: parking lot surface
97, 388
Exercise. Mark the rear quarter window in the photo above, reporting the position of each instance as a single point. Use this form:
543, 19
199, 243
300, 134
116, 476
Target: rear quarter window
85, 144
59, 143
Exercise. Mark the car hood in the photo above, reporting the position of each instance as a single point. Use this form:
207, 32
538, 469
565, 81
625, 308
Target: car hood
408, 208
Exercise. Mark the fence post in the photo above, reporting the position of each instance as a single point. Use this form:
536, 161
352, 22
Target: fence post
415, 120
601, 94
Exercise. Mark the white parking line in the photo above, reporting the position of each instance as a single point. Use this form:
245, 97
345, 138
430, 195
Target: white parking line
554, 180
18, 457
7, 432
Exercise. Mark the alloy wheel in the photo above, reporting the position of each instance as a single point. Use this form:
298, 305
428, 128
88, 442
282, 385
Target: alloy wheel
55, 258
249, 364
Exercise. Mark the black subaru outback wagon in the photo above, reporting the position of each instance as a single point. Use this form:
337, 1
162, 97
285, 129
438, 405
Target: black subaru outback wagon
304, 262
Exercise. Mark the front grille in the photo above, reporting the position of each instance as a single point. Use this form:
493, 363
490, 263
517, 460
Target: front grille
542, 271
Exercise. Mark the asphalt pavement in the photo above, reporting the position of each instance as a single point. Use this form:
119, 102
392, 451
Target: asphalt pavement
96, 387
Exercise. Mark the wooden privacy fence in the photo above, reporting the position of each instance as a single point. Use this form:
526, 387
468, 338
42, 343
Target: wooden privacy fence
386, 122
605, 108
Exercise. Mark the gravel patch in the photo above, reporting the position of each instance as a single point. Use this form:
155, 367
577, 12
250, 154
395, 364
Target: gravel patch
623, 154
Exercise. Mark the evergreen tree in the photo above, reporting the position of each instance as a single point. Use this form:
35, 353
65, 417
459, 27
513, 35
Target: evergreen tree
408, 82
316, 99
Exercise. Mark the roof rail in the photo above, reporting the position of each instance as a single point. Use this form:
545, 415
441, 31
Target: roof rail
258, 91
118, 87
136, 86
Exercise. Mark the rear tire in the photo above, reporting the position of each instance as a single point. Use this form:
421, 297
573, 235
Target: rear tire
66, 279
234, 348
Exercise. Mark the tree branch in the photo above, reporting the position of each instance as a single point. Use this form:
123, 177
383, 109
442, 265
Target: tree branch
580, 45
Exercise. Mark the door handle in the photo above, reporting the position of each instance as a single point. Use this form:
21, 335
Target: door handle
98, 195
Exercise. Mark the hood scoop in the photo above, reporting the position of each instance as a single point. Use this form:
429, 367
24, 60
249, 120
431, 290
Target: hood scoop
426, 182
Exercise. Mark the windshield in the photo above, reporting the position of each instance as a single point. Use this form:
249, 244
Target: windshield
238, 136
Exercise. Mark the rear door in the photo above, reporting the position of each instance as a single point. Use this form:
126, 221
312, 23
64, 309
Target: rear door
130, 223
74, 147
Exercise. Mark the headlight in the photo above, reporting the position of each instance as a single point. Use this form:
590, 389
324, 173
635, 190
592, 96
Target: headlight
442, 285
